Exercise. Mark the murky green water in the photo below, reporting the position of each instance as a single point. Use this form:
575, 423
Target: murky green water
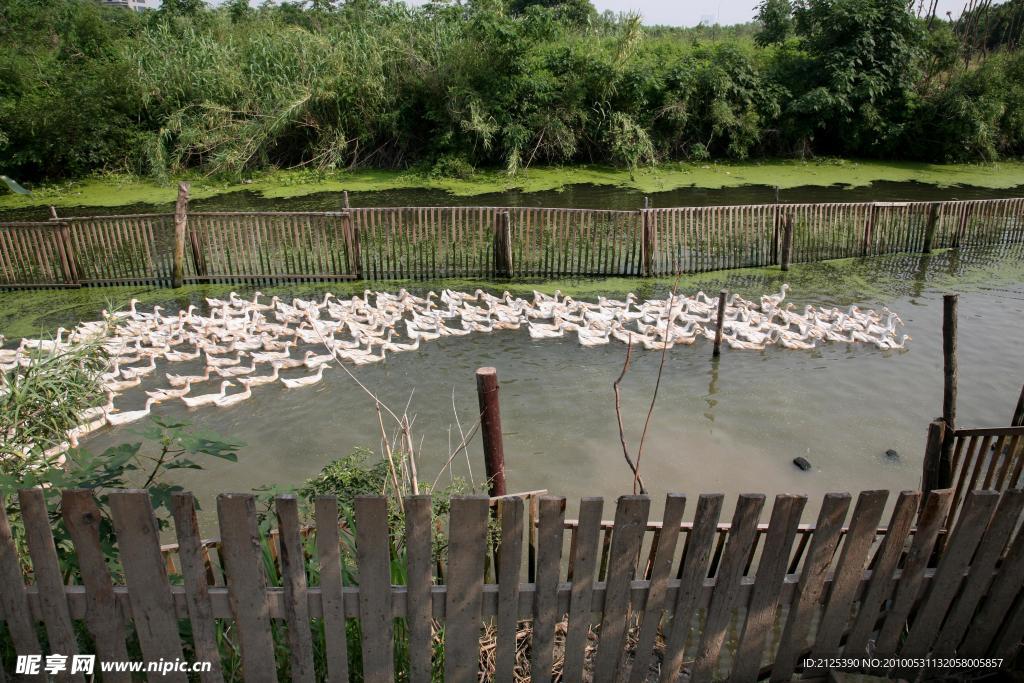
732, 426
573, 196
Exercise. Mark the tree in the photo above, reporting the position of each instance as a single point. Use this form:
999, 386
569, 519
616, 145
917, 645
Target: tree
182, 7
776, 20
864, 63
577, 12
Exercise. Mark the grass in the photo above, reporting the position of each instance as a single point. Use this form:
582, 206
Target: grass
118, 190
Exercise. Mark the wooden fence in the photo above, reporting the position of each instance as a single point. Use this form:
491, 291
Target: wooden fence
438, 242
623, 599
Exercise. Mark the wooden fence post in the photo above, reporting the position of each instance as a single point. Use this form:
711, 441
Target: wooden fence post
65, 250
1018, 413
869, 229
929, 230
348, 226
775, 228
490, 429
937, 470
503, 244
719, 323
180, 228
648, 241
950, 372
787, 242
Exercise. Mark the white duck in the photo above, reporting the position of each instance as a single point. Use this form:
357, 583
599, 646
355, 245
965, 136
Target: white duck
118, 419
206, 399
309, 380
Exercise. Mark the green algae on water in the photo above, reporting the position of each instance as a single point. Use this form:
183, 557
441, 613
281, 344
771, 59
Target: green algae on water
119, 190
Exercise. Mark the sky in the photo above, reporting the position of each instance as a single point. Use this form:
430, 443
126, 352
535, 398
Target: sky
693, 12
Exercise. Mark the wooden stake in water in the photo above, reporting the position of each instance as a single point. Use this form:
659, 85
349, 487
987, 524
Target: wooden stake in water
180, 228
490, 429
949, 371
1018, 413
787, 242
937, 471
719, 323
929, 230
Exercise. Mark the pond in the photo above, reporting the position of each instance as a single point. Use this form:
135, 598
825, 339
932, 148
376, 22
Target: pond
733, 426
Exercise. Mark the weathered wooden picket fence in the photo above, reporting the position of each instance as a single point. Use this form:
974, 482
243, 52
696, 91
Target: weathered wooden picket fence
438, 242
627, 599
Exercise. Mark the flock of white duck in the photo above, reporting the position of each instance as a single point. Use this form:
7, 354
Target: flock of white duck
250, 343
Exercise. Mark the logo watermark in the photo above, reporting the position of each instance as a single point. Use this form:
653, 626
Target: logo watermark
33, 665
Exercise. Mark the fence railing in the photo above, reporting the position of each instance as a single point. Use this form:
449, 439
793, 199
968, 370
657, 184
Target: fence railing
437, 242
626, 600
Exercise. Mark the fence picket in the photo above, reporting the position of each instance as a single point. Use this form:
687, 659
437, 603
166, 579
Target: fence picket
373, 555
197, 593
293, 579
724, 598
420, 578
817, 562
14, 604
630, 521
771, 572
240, 551
661, 570
332, 595
549, 557
103, 616
152, 605
510, 555
467, 550
583, 561
49, 582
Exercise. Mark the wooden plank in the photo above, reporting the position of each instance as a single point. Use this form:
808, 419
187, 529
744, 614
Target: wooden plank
882, 573
373, 556
694, 569
467, 550
929, 523
510, 513
583, 560
771, 572
793, 642
549, 557
193, 570
661, 572
1000, 598
963, 542
102, 617
14, 606
848, 573
332, 597
149, 591
420, 578
293, 579
60, 632
983, 566
246, 579
630, 523
724, 598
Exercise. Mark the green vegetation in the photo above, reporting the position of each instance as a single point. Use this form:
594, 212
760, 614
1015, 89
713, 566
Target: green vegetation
444, 89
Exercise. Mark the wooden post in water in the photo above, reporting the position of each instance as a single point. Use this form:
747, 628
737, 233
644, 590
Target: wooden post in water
69, 269
648, 241
719, 323
929, 229
950, 372
1018, 413
787, 242
775, 229
502, 244
937, 470
355, 264
490, 429
180, 228
869, 229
